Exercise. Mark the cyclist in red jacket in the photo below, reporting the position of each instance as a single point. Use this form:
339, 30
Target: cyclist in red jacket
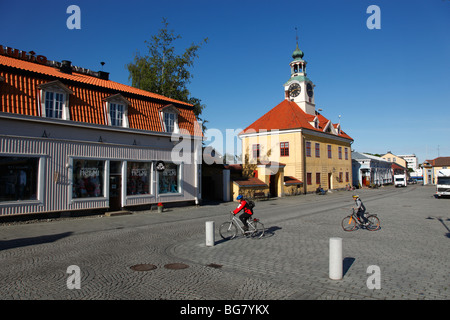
247, 212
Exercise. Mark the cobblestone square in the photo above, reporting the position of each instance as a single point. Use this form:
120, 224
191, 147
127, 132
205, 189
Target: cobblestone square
289, 263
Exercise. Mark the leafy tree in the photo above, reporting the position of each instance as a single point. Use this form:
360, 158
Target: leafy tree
164, 72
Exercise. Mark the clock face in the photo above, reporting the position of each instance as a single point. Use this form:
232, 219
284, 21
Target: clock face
309, 90
294, 89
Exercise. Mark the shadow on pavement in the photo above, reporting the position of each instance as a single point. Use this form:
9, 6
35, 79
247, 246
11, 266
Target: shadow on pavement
23, 242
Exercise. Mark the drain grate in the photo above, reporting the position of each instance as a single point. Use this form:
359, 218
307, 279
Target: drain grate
176, 266
143, 267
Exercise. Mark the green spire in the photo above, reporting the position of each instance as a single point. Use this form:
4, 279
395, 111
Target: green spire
297, 54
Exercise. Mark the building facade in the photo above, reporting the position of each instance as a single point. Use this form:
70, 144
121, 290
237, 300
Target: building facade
294, 142
369, 170
71, 139
431, 167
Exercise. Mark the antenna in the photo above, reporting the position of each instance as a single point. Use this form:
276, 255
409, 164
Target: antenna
102, 63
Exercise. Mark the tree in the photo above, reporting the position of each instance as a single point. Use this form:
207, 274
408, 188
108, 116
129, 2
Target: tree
164, 72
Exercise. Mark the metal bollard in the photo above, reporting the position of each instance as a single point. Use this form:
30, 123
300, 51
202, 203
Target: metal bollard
336, 262
209, 233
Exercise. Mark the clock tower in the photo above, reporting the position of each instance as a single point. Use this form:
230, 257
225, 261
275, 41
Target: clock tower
299, 88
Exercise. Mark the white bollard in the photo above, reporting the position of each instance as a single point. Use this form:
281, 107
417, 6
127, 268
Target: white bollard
336, 262
209, 233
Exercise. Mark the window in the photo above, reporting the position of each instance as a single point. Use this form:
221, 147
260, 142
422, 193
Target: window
169, 179
284, 149
256, 151
116, 113
309, 178
329, 151
138, 178
54, 103
169, 121
340, 153
340, 177
317, 177
55, 100
88, 178
346, 153
169, 118
317, 150
18, 178
347, 177
308, 148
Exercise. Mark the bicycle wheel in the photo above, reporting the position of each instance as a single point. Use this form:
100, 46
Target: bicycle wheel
227, 230
374, 223
258, 231
348, 223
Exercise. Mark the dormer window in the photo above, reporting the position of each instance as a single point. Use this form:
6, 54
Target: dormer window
169, 118
55, 100
117, 111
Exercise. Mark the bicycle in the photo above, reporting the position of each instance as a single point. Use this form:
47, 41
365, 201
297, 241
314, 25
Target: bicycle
350, 222
229, 230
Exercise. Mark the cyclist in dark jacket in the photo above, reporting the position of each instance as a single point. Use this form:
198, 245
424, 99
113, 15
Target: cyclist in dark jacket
360, 209
247, 212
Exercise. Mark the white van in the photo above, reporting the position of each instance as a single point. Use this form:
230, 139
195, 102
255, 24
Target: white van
443, 183
400, 180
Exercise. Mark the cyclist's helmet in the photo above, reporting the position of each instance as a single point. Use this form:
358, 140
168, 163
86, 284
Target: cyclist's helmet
239, 197
355, 196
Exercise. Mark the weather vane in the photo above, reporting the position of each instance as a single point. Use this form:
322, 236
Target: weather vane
296, 34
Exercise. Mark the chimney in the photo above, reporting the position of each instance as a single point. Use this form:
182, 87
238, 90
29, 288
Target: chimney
103, 75
66, 66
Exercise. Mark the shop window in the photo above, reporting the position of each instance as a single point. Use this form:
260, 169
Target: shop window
309, 178
88, 178
138, 178
169, 179
18, 178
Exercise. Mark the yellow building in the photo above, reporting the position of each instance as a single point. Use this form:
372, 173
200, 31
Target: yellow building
293, 146
390, 157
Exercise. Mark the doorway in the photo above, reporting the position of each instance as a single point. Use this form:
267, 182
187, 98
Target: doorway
273, 185
115, 185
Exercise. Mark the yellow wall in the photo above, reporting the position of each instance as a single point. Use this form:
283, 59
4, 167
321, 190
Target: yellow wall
295, 161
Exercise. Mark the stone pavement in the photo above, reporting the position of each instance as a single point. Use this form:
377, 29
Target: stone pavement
289, 263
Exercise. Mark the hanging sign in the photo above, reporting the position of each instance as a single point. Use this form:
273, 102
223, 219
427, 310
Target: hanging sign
160, 166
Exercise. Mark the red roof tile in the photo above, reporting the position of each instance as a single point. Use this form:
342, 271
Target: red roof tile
288, 115
19, 93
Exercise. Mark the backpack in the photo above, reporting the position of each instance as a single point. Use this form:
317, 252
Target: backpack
250, 204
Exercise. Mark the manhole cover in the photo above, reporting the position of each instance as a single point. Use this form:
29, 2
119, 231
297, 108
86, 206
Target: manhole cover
176, 266
143, 267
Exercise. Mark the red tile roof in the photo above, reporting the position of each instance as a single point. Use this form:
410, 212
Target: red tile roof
288, 115
250, 182
19, 93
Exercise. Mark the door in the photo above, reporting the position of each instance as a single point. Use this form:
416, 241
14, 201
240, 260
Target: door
115, 186
273, 186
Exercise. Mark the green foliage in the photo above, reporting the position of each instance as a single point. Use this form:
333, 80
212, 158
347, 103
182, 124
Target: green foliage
164, 72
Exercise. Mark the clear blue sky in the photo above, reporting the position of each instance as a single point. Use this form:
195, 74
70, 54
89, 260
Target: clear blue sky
391, 86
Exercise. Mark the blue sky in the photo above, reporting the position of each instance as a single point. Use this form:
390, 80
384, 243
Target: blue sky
391, 86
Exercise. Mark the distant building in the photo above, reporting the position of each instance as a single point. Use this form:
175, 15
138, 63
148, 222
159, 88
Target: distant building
431, 167
370, 170
390, 157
